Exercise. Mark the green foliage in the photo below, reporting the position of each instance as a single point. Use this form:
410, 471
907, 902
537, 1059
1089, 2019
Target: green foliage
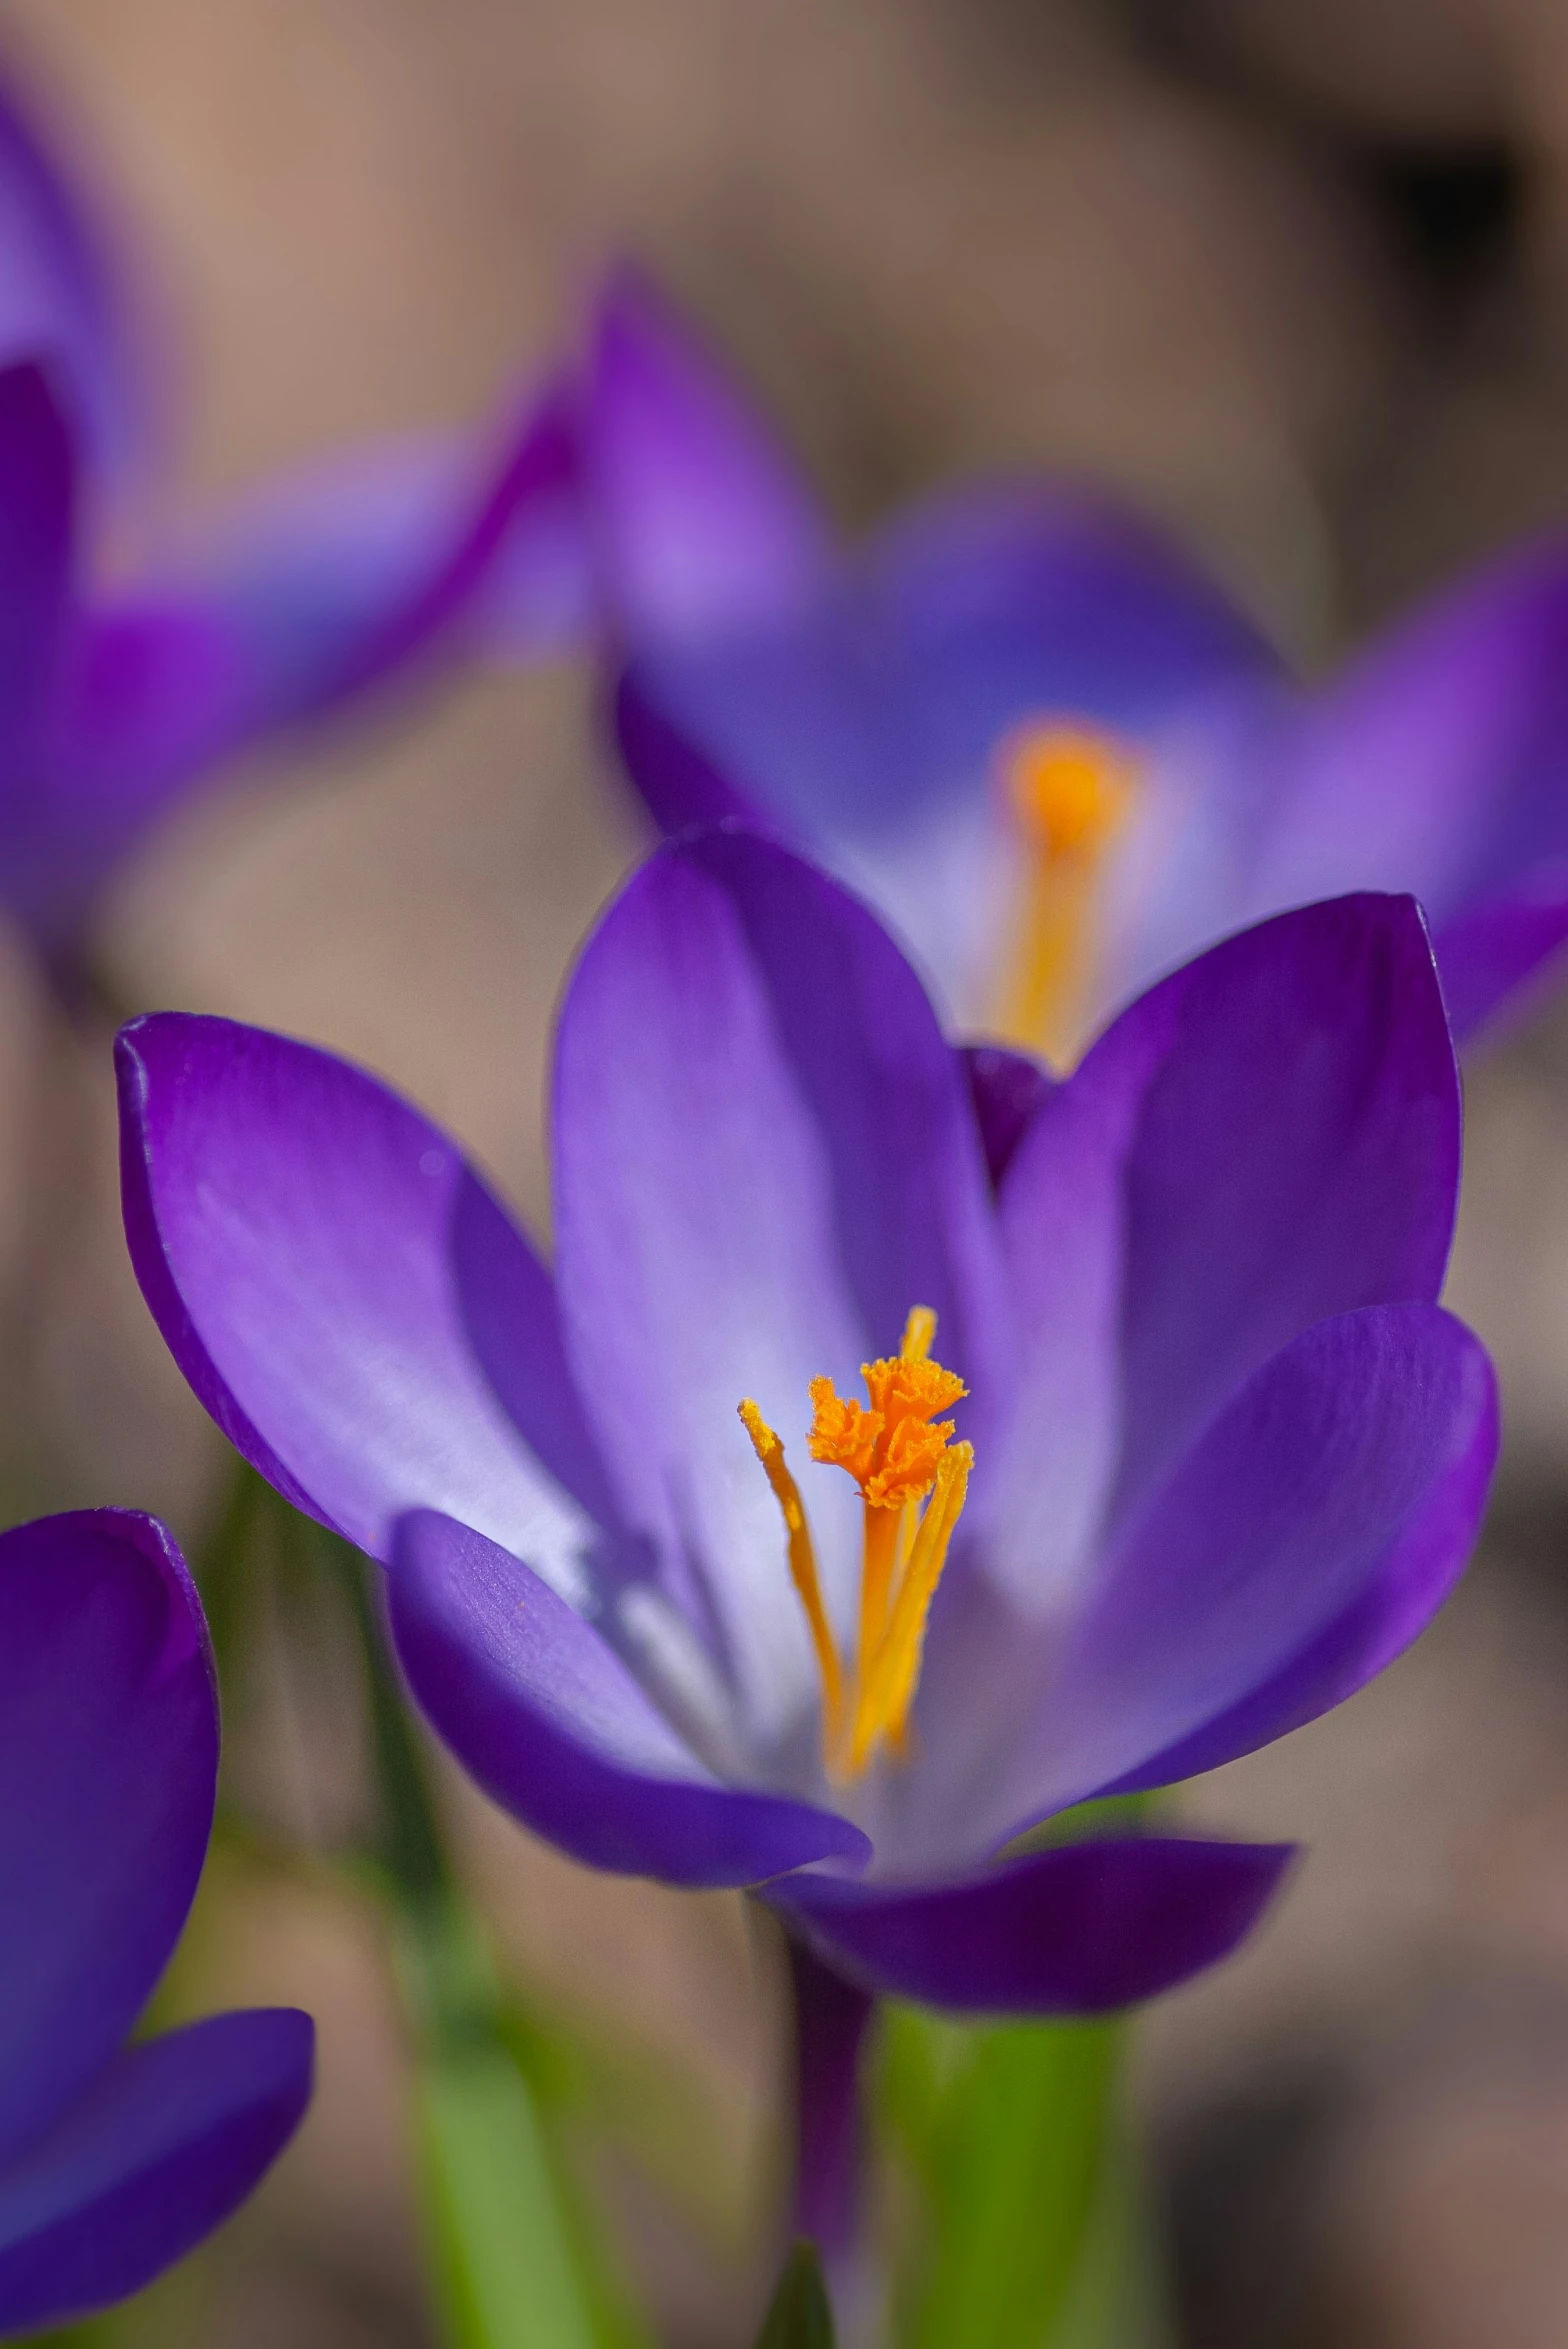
1009, 2130
508, 2250
799, 2316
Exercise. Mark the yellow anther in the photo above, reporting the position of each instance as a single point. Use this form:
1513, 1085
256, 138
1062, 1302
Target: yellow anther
844, 1434
1069, 790
898, 1452
802, 1565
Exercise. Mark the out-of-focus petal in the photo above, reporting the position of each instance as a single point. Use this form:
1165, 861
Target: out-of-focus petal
344, 1294
867, 723
1438, 761
108, 1769
329, 586
1498, 956
765, 1156
545, 1716
678, 785
63, 295
1077, 1930
1013, 601
38, 493
700, 520
1310, 1534
330, 583
1277, 1127
162, 2148
144, 700
890, 692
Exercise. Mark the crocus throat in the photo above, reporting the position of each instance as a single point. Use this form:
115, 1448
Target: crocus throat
1068, 790
913, 1480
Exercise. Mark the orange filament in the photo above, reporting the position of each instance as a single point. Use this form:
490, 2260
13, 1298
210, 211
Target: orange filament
901, 1456
1069, 789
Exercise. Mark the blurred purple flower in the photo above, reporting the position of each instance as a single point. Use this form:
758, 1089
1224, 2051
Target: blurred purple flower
115, 2159
922, 713
116, 702
1227, 1454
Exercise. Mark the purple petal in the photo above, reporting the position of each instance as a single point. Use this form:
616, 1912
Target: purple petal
144, 700
38, 493
884, 699
344, 1294
1498, 958
1015, 602
63, 297
1077, 1930
1277, 1131
867, 723
765, 1156
331, 583
1309, 1535
108, 1766
679, 786
163, 2147
701, 520
1006, 1089
1436, 763
545, 1716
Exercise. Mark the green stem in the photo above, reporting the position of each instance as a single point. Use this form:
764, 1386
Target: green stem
1029, 2229
500, 2233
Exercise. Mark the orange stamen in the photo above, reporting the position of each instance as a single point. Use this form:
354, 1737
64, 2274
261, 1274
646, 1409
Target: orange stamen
897, 1451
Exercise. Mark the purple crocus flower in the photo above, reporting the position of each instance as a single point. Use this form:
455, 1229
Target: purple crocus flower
1042, 743
115, 2159
1164, 1446
115, 702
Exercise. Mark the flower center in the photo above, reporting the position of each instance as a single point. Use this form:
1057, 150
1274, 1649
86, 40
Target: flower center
1069, 789
913, 1479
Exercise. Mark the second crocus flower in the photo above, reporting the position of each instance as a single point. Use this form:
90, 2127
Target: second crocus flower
1044, 743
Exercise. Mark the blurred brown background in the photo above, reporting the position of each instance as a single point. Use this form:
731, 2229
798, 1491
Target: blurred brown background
1296, 273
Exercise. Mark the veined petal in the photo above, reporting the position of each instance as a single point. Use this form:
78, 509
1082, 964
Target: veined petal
701, 521
1309, 1535
1078, 1930
765, 1155
170, 2139
108, 1770
346, 1297
548, 1720
1278, 1131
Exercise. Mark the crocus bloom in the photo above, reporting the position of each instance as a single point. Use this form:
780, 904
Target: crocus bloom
1045, 746
115, 2159
1217, 1456
116, 702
